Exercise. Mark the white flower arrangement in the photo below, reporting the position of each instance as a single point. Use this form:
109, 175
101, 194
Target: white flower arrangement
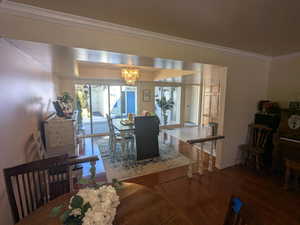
91, 206
104, 202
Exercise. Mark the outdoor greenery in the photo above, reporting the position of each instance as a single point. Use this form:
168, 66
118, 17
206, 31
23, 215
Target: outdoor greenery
81, 101
165, 105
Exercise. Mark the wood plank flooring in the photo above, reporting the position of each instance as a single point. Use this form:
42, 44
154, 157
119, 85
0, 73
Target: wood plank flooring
204, 199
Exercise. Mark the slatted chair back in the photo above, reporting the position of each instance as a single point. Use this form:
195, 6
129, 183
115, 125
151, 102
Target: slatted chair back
112, 134
33, 184
259, 135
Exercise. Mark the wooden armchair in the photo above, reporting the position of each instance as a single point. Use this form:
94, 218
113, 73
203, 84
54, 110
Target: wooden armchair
33, 184
254, 149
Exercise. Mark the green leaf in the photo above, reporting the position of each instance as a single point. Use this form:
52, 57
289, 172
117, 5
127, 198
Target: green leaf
116, 184
72, 220
101, 183
85, 207
77, 202
65, 216
56, 211
84, 181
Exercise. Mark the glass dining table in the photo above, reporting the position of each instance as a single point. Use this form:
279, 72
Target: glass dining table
124, 129
120, 125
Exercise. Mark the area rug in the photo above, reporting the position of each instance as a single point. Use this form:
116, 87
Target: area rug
124, 167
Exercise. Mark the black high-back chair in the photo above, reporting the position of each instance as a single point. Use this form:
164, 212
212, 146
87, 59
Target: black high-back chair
31, 185
146, 132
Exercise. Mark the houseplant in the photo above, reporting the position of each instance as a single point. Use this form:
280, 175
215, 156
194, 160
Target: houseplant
165, 105
66, 101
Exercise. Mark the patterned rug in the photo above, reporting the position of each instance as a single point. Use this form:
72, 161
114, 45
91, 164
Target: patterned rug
123, 167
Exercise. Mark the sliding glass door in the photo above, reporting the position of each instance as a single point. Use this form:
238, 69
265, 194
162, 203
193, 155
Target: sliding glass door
99, 109
94, 101
115, 101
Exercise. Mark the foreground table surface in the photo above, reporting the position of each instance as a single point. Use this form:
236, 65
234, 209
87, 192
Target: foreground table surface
139, 206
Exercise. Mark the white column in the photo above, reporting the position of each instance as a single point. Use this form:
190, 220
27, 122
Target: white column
200, 159
210, 163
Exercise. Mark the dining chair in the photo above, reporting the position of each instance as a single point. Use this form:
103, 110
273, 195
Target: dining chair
254, 149
115, 139
33, 184
146, 132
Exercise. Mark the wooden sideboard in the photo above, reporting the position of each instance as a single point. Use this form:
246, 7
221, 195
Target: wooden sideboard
60, 136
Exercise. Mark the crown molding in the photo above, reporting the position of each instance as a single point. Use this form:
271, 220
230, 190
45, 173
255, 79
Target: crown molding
74, 20
287, 56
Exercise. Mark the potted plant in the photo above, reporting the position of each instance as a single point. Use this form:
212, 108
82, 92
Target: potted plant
165, 105
66, 101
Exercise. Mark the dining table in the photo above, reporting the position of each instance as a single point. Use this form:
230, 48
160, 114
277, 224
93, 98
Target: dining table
120, 125
123, 129
139, 205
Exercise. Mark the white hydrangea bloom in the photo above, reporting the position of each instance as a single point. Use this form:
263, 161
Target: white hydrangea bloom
103, 201
76, 212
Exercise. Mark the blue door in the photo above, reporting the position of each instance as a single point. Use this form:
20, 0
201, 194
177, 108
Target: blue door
130, 102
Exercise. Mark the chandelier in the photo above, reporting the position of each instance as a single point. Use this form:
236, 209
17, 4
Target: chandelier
130, 75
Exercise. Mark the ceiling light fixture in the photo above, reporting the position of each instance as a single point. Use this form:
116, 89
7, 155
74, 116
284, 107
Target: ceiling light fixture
130, 75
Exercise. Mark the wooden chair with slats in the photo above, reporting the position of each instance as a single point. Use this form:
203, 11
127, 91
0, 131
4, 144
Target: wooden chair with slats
254, 149
33, 184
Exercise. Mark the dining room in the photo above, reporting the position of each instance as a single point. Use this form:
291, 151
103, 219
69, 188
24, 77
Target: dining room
174, 94
114, 121
149, 112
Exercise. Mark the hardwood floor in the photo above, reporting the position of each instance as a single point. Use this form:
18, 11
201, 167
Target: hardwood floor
204, 199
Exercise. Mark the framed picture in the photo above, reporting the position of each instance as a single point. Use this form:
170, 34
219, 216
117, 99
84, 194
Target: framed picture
147, 95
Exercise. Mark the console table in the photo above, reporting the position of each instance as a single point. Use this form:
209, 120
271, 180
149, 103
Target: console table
60, 136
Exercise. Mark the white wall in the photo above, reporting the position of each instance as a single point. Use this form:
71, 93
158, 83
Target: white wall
26, 91
284, 80
246, 80
192, 95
